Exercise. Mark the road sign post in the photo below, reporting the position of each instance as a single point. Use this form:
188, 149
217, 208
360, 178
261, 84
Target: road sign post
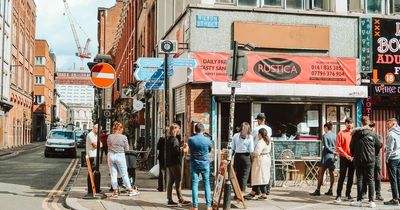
103, 76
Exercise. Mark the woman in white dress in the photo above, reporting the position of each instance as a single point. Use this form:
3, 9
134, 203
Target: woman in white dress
260, 168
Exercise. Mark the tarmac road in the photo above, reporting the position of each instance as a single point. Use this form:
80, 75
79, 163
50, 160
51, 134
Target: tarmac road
31, 181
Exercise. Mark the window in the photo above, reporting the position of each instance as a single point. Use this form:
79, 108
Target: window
39, 80
337, 115
225, 1
49, 94
39, 99
21, 41
275, 3
294, 4
395, 7
374, 6
355, 5
320, 4
14, 33
251, 3
40, 60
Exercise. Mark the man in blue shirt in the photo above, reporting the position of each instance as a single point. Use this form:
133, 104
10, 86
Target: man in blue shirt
200, 146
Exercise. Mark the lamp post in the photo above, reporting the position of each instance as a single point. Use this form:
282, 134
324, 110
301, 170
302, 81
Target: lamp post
235, 59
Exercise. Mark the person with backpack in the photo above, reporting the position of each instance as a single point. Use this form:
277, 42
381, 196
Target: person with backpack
364, 143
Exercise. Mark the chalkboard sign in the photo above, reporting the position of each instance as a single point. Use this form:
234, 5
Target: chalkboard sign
300, 148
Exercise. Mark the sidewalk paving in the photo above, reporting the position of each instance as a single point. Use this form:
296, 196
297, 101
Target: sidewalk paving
290, 198
5, 153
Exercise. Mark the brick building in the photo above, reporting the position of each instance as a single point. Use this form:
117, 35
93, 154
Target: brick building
43, 90
23, 28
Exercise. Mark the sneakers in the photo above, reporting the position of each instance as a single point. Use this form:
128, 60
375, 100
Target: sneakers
356, 203
133, 193
262, 197
250, 197
185, 203
172, 204
316, 193
337, 200
349, 198
392, 202
329, 193
371, 204
379, 198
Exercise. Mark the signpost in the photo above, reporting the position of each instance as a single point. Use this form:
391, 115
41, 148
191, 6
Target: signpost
154, 85
148, 74
103, 76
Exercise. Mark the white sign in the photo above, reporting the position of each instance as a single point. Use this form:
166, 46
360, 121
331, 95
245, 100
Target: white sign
137, 105
235, 84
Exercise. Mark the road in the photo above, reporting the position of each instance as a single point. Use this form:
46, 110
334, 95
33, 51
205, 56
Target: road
31, 181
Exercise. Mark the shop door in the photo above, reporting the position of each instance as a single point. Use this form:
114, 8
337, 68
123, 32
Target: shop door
242, 114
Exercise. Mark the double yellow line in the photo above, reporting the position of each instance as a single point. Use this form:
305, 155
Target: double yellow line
51, 201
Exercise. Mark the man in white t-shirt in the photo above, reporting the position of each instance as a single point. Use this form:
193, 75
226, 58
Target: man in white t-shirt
91, 143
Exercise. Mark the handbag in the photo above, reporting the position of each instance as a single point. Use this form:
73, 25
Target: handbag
155, 171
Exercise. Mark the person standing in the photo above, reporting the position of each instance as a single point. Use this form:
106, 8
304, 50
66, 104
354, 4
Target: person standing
199, 147
327, 159
364, 143
242, 146
173, 165
117, 145
91, 151
161, 162
377, 169
104, 149
261, 166
392, 157
343, 139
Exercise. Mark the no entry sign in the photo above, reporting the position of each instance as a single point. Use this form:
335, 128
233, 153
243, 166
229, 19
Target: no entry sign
103, 75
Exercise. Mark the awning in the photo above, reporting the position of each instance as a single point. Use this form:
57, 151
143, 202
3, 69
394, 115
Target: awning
299, 90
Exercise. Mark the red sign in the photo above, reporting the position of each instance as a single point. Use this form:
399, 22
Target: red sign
279, 69
103, 75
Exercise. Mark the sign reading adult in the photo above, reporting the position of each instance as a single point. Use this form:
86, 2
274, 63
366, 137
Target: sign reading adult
103, 75
386, 49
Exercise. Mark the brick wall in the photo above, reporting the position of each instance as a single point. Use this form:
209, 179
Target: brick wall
199, 98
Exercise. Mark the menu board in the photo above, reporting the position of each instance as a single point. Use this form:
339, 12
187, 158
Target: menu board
299, 148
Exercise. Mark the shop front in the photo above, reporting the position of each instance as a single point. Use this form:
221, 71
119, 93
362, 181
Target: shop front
298, 94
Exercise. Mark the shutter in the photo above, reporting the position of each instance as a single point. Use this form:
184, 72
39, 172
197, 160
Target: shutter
180, 102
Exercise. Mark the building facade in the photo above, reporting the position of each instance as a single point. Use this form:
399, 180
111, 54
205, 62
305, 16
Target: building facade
5, 65
76, 90
23, 30
43, 90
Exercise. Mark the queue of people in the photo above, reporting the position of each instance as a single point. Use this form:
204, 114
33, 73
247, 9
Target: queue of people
359, 151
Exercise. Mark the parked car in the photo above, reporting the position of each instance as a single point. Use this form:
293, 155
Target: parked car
80, 138
60, 142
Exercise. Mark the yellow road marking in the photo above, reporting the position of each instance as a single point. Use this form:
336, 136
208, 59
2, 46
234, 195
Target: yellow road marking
54, 203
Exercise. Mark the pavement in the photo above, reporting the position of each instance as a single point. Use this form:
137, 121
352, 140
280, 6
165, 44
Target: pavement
290, 197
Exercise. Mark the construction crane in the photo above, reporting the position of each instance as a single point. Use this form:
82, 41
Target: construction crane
83, 54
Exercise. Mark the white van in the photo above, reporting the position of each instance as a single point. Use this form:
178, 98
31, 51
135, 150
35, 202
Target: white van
60, 141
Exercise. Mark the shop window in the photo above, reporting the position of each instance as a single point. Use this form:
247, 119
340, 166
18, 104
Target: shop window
337, 115
273, 3
395, 7
250, 3
291, 121
294, 4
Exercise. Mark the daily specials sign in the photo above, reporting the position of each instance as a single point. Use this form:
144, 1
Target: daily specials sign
278, 69
386, 49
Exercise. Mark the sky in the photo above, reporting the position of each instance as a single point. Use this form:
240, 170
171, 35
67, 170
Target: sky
52, 25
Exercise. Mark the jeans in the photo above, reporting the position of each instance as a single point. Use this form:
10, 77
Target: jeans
117, 163
174, 176
345, 166
205, 173
242, 167
365, 172
394, 177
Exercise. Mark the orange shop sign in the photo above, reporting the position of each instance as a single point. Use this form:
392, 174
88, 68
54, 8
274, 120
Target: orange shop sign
279, 69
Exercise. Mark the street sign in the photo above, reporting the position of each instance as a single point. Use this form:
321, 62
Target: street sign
154, 85
150, 62
147, 74
235, 84
179, 62
102, 75
138, 105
